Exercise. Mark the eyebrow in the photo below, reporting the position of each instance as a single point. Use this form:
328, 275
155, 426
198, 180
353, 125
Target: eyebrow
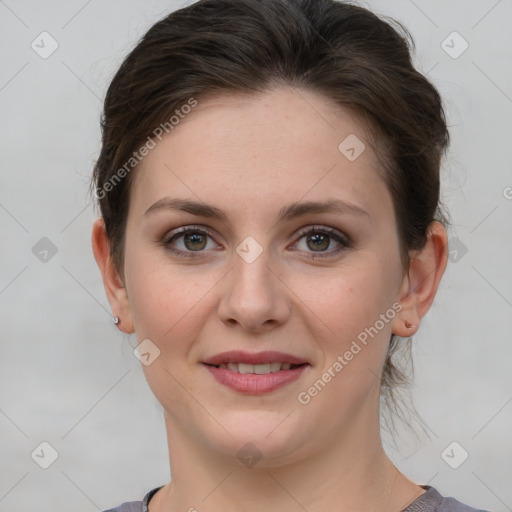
288, 212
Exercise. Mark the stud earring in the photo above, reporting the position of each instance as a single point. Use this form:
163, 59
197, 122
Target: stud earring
116, 320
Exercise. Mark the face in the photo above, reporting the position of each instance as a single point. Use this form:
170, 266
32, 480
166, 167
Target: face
248, 275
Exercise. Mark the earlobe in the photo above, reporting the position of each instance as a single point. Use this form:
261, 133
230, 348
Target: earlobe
421, 282
114, 286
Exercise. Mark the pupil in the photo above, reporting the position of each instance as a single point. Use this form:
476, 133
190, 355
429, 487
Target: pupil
194, 239
319, 241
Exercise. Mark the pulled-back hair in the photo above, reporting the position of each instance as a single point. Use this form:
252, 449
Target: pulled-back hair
359, 61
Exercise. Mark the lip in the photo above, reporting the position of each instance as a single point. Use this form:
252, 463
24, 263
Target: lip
268, 356
254, 384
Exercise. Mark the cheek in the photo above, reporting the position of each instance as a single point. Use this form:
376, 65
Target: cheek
350, 333
166, 300
348, 299
170, 305
349, 330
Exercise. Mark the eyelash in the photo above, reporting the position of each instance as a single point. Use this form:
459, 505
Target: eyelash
333, 234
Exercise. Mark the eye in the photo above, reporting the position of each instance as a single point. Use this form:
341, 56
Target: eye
191, 241
318, 240
188, 240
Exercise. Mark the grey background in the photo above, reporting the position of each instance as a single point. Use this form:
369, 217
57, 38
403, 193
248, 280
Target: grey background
69, 377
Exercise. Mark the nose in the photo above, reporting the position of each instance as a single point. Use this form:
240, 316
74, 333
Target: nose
254, 297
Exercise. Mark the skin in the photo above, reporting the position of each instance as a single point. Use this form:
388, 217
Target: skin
249, 156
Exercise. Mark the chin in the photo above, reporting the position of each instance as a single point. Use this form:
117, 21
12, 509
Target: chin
259, 438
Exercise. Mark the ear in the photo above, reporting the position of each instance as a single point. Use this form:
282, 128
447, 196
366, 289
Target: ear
114, 286
421, 282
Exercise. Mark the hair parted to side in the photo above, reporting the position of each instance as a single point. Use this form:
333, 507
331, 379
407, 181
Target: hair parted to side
343, 51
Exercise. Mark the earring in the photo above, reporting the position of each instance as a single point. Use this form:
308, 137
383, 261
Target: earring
115, 320
408, 325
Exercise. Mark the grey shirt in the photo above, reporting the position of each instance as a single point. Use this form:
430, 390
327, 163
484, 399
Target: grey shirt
430, 501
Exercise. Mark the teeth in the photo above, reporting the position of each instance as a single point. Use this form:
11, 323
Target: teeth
275, 367
261, 369
258, 369
245, 368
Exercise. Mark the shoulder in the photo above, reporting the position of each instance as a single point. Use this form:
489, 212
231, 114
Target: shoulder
433, 501
128, 506
135, 506
452, 505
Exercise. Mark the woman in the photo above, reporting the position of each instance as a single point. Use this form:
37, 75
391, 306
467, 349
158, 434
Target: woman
270, 230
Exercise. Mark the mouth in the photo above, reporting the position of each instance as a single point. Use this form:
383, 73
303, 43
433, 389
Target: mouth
256, 373
257, 369
266, 357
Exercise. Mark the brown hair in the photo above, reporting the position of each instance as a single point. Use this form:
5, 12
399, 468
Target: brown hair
343, 51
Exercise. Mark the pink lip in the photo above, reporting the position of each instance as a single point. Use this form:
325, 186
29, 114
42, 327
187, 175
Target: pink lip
238, 356
252, 384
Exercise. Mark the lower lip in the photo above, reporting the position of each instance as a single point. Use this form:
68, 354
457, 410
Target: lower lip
253, 384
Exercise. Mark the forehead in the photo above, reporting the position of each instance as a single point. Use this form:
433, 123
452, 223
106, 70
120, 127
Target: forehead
285, 142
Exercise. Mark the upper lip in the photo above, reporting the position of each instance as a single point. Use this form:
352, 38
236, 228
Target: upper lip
238, 356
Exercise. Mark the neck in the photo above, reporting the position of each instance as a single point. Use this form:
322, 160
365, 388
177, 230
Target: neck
351, 473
